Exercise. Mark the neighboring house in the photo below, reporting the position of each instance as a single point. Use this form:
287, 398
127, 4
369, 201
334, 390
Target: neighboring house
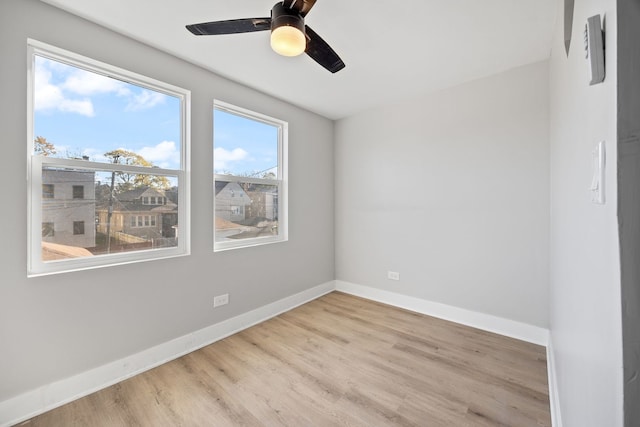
264, 202
231, 201
68, 207
145, 213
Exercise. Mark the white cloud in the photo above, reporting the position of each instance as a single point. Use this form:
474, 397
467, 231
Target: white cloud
164, 155
50, 97
94, 154
145, 99
222, 158
84, 107
87, 83
62, 96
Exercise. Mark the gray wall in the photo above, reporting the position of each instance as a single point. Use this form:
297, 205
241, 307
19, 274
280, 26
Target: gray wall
585, 274
451, 190
56, 326
629, 199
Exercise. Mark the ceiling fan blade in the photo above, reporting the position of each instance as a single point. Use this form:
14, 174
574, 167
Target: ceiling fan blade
301, 6
233, 26
321, 52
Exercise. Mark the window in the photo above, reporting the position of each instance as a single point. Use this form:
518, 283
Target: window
78, 227
47, 191
250, 180
78, 192
48, 229
153, 200
105, 138
144, 220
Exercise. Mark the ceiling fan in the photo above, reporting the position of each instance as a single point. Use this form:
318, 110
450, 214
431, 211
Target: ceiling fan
289, 34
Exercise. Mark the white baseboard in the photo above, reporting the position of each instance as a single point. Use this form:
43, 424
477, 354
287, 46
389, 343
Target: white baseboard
486, 322
45, 398
554, 399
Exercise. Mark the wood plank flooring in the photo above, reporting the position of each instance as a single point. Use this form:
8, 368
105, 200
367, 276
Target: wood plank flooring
336, 361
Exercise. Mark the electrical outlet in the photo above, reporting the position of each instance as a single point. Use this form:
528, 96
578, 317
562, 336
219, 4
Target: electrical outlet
220, 300
393, 275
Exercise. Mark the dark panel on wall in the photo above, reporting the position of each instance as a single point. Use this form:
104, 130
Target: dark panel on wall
629, 199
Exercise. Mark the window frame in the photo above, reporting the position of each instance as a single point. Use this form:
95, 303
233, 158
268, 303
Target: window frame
281, 180
35, 264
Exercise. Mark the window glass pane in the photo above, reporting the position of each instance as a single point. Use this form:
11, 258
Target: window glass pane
78, 192
245, 210
249, 180
47, 191
78, 227
114, 205
48, 229
244, 146
84, 115
102, 141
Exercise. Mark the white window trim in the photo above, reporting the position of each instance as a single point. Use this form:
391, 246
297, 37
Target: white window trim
281, 180
35, 265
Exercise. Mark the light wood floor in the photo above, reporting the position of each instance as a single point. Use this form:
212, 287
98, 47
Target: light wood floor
338, 360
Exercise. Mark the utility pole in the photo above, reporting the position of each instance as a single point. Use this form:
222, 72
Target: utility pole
110, 209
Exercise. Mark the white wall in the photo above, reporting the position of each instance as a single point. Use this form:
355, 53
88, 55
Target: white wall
585, 274
452, 191
57, 326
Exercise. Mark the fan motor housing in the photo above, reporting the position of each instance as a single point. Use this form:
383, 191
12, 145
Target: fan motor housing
281, 16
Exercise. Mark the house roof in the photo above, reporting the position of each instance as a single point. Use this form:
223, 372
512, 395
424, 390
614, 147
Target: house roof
220, 185
136, 193
131, 201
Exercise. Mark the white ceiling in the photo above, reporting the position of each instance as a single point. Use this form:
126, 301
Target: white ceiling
393, 50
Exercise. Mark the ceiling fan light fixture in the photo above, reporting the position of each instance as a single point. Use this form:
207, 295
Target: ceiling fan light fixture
289, 34
287, 31
288, 41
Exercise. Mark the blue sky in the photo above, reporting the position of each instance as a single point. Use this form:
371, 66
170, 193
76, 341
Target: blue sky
242, 145
84, 113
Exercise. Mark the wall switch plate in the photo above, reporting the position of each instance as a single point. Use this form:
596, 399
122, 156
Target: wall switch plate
597, 182
220, 300
393, 275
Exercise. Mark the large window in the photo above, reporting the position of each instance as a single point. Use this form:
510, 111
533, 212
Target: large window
108, 156
250, 181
